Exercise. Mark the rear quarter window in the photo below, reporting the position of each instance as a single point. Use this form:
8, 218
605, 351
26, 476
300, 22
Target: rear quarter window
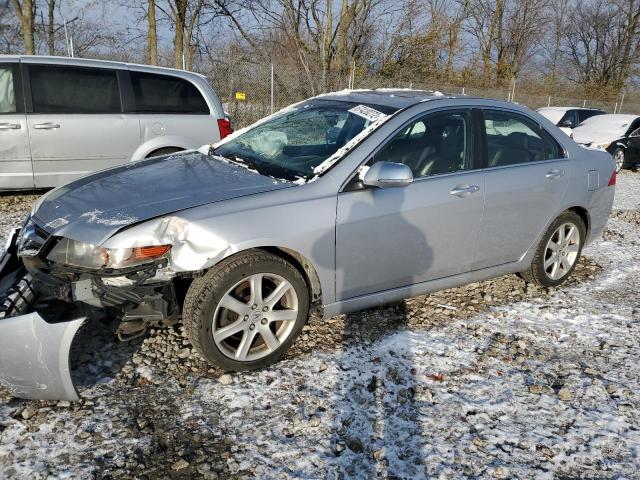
166, 94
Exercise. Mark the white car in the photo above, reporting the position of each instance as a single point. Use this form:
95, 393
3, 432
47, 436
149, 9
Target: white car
568, 118
62, 118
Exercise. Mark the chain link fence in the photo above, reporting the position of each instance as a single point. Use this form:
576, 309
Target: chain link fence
250, 91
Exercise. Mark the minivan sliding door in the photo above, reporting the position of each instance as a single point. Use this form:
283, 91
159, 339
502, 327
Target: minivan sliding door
76, 122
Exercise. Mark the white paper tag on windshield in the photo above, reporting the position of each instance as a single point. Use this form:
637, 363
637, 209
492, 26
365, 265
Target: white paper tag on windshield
369, 113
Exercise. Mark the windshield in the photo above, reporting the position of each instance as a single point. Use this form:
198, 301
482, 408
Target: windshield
292, 144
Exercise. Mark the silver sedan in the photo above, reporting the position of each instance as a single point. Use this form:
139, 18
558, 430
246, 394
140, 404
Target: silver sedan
338, 203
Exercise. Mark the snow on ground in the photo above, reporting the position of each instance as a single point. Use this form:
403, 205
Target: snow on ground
542, 387
627, 191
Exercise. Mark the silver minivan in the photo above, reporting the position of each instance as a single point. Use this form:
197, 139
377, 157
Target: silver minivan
61, 118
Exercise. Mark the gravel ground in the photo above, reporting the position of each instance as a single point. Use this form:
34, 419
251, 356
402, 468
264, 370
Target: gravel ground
492, 380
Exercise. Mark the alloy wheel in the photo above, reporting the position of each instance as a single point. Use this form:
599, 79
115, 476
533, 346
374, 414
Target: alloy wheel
561, 251
618, 157
255, 317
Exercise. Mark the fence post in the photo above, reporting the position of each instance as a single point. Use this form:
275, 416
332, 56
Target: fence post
272, 87
584, 103
549, 101
621, 102
615, 108
462, 90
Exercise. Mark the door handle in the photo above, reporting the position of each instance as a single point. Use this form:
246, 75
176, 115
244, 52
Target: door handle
554, 174
464, 190
45, 126
10, 126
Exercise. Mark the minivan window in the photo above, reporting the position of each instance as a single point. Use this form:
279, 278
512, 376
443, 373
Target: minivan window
62, 89
7, 93
435, 144
514, 139
166, 94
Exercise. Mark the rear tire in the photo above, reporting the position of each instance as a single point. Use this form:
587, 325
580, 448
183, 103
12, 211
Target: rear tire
558, 252
246, 312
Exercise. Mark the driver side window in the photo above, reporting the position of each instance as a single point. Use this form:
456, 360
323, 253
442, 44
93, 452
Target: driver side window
435, 144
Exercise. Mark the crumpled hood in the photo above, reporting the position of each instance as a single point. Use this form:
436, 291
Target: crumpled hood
95, 207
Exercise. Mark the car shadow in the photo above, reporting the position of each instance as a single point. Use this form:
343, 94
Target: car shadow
97, 356
374, 403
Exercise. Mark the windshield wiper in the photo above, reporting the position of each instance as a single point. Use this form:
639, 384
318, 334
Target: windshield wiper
236, 159
262, 168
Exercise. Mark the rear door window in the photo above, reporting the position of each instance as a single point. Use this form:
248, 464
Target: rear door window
8, 103
166, 94
513, 139
62, 89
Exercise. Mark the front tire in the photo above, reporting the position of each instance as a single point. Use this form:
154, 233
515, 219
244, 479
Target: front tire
246, 312
558, 251
618, 158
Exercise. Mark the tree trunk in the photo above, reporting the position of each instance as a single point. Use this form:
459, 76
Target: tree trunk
26, 14
152, 33
327, 43
51, 30
496, 25
178, 37
343, 29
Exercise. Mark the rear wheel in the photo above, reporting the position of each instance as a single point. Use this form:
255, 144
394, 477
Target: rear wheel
618, 158
164, 151
558, 252
247, 312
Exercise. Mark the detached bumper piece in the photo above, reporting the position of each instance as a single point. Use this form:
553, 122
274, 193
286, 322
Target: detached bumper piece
34, 353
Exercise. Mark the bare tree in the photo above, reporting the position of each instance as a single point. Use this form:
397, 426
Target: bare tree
603, 42
51, 28
152, 33
26, 14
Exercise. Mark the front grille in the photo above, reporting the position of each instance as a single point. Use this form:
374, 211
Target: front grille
18, 298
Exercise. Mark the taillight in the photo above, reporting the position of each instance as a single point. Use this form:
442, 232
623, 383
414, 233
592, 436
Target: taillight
612, 180
224, 126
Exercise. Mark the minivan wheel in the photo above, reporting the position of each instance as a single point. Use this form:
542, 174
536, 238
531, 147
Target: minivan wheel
618, 158
558, 252
164, 151
246, 312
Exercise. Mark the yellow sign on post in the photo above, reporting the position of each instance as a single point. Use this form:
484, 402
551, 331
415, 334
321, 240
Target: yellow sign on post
241, 96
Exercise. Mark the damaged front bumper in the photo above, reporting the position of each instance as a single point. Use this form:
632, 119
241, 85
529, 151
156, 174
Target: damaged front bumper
34, 352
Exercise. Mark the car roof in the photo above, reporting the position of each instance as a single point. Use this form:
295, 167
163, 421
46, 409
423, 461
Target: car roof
49, 59
390, 97
564, 109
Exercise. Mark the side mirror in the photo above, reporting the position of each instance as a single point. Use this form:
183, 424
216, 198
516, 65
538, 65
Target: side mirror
567, 124
388, 174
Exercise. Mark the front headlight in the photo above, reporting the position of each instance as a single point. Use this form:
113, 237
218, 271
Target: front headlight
600, 146
85, 255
